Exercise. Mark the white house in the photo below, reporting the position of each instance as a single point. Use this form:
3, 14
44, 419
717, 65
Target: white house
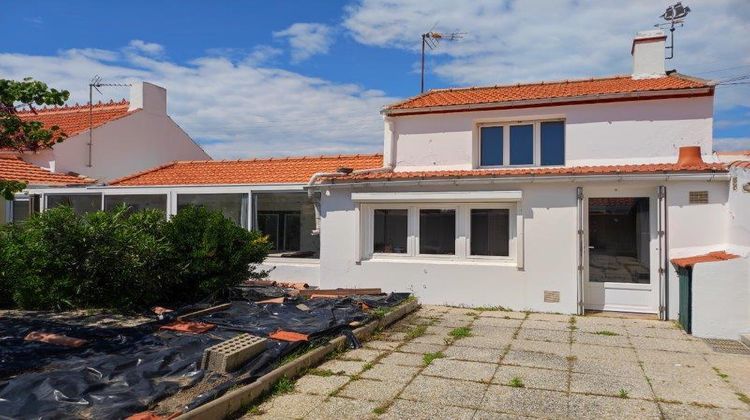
560, 196
105, 141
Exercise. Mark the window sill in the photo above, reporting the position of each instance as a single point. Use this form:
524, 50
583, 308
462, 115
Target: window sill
442, 261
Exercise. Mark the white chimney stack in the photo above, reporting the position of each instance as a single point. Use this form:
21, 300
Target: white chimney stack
148, 97
648, 54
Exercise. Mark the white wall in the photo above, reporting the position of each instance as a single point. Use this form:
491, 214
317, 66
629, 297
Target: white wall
602, 133
297, 270
550, 241
140, 141
721, 299
739, 208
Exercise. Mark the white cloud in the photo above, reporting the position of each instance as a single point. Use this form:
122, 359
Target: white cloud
307, 39
731, 143
513, 41
150, 48
235, 108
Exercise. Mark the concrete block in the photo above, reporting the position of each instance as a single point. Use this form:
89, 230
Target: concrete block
231, 354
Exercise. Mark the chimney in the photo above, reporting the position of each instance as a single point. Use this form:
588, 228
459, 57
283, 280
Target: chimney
648, 54
689, 157
148, 97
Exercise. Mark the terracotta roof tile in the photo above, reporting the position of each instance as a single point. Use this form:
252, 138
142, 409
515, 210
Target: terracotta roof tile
710, 257
74, 119
545, 90
290, 170
15, 169
536, 171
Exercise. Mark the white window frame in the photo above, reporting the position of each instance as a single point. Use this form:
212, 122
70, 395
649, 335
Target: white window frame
536, 124
462, 236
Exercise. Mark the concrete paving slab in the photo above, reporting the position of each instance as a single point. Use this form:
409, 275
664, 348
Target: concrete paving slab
403, 359
367, 389
291, 405
487, 331
406, 409
549, 317
492, 415
627, 368
560, 349
346, 366
536, 360
343, 408
391, 373
497, 322
652, 323
716, 393
545, 325
598, 321
436, 330
488, 342
596, 407
420, 348
671, 358
735, 366
529, 402
554, 380
594, 328
633, 386
680, 372
645, 331
431, 339
688, 411
458, 369
319, 385
582, 351
666, 344
362, 355
502, 314
544, 335
382, 345
475, 354
442, 391
601, 339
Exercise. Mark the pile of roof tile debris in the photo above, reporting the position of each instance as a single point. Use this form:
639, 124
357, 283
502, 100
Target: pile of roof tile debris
178, 361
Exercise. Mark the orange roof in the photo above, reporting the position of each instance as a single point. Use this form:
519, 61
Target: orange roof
74, 119
289, 170
12, 168
546, 90
686, 262
537, 171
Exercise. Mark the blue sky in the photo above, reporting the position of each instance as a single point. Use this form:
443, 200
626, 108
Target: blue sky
304, 77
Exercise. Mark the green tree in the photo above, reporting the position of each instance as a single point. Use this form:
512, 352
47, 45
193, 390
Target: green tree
26, 134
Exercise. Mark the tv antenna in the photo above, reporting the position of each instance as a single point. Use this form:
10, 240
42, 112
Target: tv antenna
96, 83
432, 39
675, 16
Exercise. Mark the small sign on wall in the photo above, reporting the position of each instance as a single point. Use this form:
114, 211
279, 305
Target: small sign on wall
551, 296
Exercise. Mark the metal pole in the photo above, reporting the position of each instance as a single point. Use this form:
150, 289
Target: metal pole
91, 119
421, 90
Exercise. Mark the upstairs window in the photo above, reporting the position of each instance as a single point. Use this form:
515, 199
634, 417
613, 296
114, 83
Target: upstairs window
533, 143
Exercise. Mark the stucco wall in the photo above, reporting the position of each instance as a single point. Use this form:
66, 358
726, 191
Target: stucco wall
721, 292
550, 242
134, 143
603, 133
739, 208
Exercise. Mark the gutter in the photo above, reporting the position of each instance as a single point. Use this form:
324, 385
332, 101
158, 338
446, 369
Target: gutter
709, 177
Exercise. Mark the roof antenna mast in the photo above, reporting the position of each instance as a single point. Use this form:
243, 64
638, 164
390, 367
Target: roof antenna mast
675, 16
432, 39
96, 83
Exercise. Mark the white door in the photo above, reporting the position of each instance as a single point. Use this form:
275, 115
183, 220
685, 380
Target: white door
621, 251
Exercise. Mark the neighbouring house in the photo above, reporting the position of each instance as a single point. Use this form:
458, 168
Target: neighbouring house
598, 194
106, 141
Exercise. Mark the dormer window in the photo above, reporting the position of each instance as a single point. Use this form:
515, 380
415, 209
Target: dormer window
528, 143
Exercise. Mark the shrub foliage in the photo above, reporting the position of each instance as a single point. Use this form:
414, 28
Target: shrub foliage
124, 260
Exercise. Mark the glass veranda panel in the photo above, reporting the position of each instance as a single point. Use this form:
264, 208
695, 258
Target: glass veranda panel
289, 221
136, 202
81, 203
232, 206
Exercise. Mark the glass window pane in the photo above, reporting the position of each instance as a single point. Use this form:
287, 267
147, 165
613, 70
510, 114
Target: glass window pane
437, 231
268, 224
491, 142
490, 232
553, 143
232, 206
21, 209
289, 220
522, 144
81, 203
390, 232
619, 236
136, 202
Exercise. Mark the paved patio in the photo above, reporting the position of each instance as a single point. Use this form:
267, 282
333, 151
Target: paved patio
516, 364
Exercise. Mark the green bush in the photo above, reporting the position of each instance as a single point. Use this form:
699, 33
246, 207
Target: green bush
123, 260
